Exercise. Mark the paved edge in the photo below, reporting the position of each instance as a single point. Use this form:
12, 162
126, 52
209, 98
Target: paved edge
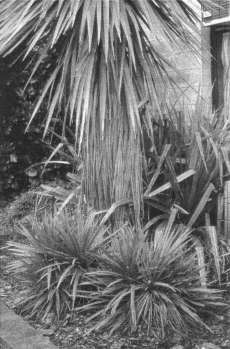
4, 345
18, 334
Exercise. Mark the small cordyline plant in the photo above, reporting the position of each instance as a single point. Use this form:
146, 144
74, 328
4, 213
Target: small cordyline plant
53, 258
152, 286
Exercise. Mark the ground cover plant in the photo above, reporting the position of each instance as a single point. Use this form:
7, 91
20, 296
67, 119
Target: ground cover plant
53, 259
153, 285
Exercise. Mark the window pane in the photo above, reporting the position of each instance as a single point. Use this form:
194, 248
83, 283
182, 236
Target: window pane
226, 72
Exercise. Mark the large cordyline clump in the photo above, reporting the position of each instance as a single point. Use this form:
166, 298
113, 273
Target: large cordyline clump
110, 64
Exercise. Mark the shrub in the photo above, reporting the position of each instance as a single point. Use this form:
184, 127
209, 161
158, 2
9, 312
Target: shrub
53, 259
18, 150
219, 263
202, 146
29, 203
153, 285
186, 165
22, 206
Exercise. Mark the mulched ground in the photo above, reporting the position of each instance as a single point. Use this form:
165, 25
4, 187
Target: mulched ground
4, 345
73, 334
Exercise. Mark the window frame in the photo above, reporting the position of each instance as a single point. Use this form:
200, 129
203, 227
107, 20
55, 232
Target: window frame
216, 64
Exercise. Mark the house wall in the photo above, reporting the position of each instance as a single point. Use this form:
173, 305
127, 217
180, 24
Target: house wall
193, 75
187, 77
206, 62
200, 74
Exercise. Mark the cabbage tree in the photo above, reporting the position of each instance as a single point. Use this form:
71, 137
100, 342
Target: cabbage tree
106, 79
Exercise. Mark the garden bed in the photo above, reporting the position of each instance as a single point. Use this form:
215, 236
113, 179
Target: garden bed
73, 332
69, 334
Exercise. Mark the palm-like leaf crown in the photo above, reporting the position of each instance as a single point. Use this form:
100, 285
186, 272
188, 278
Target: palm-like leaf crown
154, 285
109, 61
109, 50
53, 259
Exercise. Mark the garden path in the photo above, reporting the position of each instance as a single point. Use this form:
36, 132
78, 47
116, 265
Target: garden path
16, 333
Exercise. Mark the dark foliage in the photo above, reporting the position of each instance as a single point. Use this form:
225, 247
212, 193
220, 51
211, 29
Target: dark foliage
18, 149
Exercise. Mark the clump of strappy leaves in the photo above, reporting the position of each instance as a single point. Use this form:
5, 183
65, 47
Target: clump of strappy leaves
149, 285
53, 258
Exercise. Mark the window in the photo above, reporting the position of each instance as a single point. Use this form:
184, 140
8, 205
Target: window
220, 49
225, 58
218, 14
